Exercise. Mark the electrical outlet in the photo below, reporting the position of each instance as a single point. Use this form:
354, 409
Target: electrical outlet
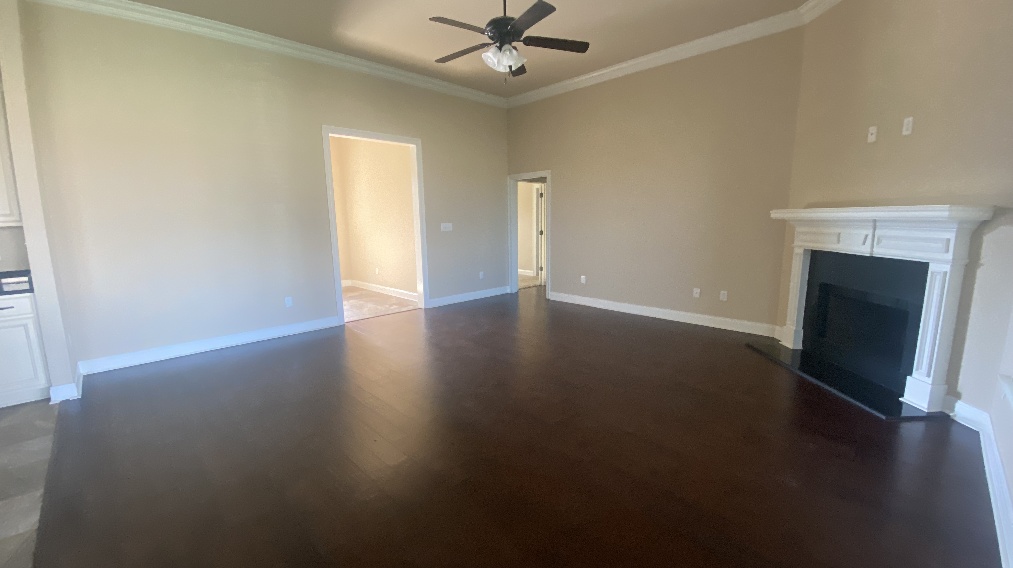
378, 270
696, 292
873, 134
724, 295
909, 126
583, 279
288, 301
481, 275
446, 227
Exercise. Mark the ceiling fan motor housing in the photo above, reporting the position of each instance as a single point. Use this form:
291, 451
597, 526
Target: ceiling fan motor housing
498, 30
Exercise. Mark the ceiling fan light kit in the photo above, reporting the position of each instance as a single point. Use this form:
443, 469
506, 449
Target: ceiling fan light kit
503, 31
503, 60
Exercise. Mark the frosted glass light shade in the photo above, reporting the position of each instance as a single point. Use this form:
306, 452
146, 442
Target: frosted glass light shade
493, 58
510, 57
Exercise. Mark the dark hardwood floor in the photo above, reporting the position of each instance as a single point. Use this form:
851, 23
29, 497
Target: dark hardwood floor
503, 432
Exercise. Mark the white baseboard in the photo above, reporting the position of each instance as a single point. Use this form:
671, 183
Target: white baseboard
995, 473
754, 328
60, 393
22, 396
447, 300
125, 360
413, 296
970, 416
526, 272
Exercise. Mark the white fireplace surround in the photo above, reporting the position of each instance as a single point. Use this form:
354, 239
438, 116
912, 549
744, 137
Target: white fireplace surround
937, 234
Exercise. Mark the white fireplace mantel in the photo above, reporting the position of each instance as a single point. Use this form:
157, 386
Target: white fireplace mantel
939, 235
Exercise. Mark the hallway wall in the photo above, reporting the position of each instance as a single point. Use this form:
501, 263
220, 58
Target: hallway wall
526, 226
375, 212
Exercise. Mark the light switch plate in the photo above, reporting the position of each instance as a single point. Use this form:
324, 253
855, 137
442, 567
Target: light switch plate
446, 227
873, 134
909, 126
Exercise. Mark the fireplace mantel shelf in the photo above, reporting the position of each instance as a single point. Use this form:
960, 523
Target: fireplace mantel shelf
939, 235
951, 213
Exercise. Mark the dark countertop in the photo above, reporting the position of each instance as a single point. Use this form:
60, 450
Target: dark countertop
16, 274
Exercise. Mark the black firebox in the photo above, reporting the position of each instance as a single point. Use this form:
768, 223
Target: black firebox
860, 329
862, 315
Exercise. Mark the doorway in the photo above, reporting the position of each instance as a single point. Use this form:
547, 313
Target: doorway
528, 202
375, 201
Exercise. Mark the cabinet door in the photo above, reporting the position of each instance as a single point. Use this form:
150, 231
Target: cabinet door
10, 215
20, 355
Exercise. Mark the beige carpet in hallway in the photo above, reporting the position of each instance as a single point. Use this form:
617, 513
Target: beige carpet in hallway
361, 304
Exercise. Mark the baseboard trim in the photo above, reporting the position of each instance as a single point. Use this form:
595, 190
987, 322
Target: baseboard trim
729, 324
413, 296
60, 393
114, 362
21, 396
995, 473
970, 416
526, 272
448, 300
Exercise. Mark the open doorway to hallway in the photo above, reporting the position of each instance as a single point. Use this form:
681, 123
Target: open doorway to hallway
376, 222
529, 208
530, 231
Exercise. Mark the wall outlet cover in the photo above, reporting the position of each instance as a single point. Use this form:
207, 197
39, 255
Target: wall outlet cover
909, 126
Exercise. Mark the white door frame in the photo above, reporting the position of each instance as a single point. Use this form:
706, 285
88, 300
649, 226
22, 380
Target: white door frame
419, 208
512, 242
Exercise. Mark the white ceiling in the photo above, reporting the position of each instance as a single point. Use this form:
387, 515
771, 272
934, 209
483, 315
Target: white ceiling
398, 33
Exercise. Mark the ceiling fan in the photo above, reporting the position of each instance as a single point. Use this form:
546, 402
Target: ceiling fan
503, 31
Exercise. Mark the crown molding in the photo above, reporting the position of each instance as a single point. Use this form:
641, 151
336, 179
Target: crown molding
142, 13
742, 34
815, 8
761, 28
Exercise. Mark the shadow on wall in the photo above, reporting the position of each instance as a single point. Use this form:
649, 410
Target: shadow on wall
985, 309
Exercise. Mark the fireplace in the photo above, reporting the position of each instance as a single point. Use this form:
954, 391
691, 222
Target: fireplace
873, 300
862, 315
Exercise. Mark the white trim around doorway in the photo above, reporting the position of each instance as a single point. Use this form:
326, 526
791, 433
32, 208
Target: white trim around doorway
419, 208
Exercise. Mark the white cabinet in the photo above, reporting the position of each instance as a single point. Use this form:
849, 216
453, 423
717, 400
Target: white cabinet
10, 215
22, 368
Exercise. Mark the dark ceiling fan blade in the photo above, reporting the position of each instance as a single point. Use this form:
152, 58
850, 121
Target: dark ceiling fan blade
519, 71
556, 43
456, 24
536, 13
463, 52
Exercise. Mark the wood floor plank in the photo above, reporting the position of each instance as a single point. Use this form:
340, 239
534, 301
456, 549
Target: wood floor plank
509, 431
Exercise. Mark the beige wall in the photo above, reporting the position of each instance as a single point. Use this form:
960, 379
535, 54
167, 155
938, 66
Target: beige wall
950, 66
375, 212
526, 200
13, 254
663, 180
184, 180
